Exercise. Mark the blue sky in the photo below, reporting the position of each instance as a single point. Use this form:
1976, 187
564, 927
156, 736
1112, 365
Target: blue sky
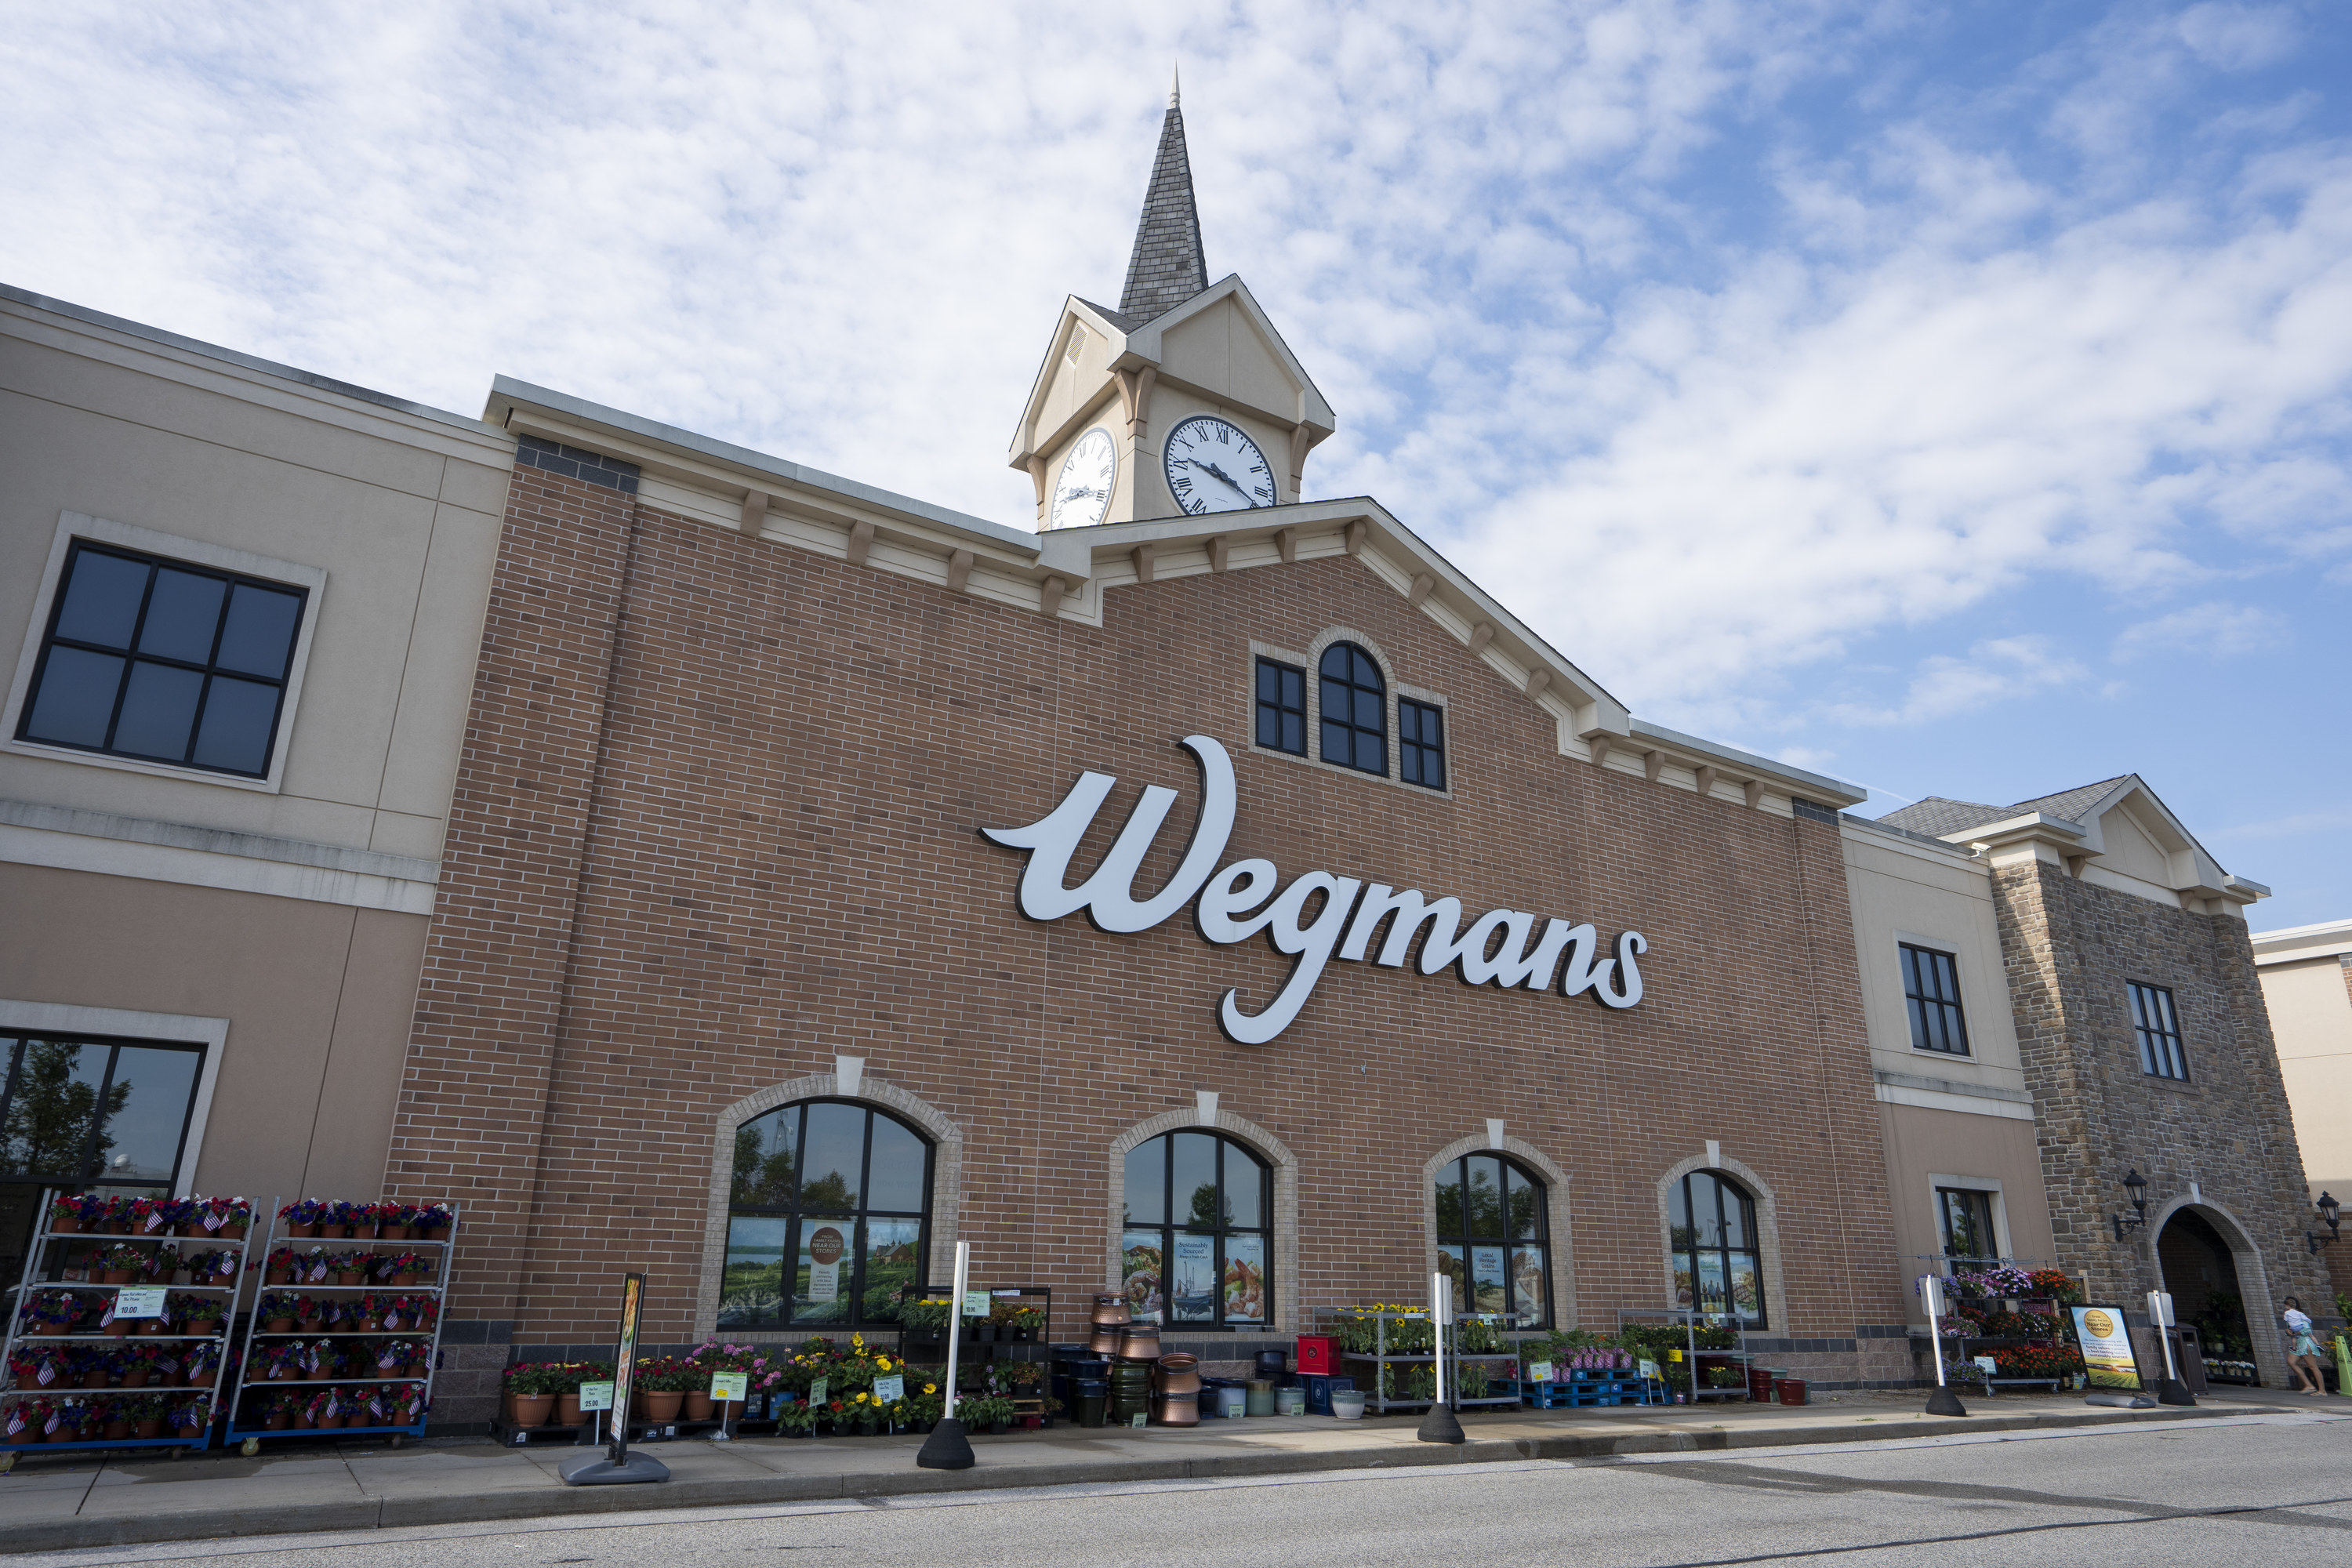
1954, 398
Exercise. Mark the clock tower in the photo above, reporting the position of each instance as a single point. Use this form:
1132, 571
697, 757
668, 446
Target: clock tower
1183, 401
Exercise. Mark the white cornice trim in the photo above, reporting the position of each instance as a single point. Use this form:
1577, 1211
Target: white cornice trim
66, 839
2296, 944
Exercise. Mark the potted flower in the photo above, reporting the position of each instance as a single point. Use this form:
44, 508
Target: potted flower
434, 1222
990, 1410
278, 1311
191, 1419
64, 1423
926, 1320
279, 1266
303, 1216
95, 1369
532, 1387
66, 1212
122, 1264
203, 1364
35, 1369
52, 1311
20, 1423
197, 1315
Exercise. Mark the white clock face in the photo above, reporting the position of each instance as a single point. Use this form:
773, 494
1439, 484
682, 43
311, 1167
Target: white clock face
1213, 467
1082, 494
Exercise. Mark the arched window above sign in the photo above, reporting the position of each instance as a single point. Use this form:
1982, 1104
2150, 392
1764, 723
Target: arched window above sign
1494, 1237
1197, 1239
827, 1217
1354, 703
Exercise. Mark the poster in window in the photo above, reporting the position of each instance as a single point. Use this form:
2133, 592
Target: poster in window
1141, 1267
1747, 1287
1192, 1279
824, 1249
1450, 1264
1712, 1293
2108, 1360
1487, 1277
1245, 1278
1527, 1284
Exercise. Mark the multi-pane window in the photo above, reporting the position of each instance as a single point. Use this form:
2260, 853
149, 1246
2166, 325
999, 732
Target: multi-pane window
1198, 1236
1718, 1258
1281, 708
166, 662
2157, 1028
1965, 1217
1421, 743
1931, 990
1354, 699
76, 1112
1492, 1238
827, 1220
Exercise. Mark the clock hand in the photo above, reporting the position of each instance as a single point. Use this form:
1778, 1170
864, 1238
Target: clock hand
1223, 476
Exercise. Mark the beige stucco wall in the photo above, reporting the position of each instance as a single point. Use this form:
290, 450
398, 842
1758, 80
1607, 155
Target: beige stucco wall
1987, 1154
401, 511
318, 999
2311, 1019
1944, 1120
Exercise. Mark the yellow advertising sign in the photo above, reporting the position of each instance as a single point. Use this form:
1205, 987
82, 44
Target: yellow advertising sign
2107, 1356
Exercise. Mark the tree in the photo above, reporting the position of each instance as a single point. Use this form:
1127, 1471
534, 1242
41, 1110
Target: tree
46, 1131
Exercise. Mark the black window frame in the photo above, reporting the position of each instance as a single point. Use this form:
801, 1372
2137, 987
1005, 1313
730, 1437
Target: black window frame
1462, 1236
1978, 1200
1418, 755
132, 656
1167, 1229
2163, 1049
1929, 973
1684, 1245
795, 1214
1350, 684
88, 1168
1280, 707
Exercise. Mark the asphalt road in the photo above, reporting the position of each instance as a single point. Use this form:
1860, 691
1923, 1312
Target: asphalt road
2252, 1489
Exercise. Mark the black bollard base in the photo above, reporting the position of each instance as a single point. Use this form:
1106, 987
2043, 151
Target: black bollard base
1441, 1426
1943, 1401
2172, 1391
947, 1448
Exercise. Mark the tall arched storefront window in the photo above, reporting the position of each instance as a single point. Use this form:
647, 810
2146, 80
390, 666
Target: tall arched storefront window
828, 1219
1719, 1264
1198, 1241
1492, 1237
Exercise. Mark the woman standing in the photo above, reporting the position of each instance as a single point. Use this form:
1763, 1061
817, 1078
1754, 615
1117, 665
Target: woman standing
2303, 1351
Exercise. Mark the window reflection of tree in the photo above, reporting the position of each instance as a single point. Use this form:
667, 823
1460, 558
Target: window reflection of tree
52, 1109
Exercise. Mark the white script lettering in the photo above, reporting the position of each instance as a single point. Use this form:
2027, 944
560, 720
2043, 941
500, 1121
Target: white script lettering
1238, 902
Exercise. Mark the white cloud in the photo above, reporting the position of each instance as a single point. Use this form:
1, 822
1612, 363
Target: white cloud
1993, 670
2218, 629
2238, 37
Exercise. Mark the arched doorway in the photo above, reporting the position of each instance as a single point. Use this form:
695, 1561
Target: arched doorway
2200, 1272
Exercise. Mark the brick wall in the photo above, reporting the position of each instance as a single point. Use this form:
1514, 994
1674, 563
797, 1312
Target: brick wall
715, 823
2072, 948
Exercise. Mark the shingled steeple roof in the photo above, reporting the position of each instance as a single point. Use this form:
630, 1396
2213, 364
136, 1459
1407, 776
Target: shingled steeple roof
1167, 268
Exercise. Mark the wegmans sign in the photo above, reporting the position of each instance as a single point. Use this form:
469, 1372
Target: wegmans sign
1316, 917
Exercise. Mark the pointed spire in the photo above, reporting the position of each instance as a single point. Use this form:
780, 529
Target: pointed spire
1167, 268
1175, 86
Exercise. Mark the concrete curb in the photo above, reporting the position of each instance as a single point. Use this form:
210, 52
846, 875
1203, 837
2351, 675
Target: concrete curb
561, 1502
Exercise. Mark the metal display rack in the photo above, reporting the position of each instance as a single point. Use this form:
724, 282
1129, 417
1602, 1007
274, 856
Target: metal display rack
40, 1276
1693, 1319
276, 1230
1965, 1346
1503, 1325
1376, 1399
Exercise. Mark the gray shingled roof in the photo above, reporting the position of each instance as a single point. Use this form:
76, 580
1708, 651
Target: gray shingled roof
1168, 267
1937, 816
1119, 318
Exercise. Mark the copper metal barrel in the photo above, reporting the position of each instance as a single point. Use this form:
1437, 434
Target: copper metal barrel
1139, 1341
1110, 1310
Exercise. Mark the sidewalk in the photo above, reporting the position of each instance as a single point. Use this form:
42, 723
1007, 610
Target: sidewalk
354, 1484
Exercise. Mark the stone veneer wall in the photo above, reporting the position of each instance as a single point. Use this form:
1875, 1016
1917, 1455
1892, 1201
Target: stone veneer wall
2071, 948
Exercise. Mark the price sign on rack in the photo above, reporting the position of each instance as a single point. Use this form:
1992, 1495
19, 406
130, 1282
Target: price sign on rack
730, 1387
595, 1396
975, 1304
892, 1389
140, 1301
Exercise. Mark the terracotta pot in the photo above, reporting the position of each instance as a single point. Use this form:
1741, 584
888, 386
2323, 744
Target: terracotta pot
661, 1405
134, 1376
119, 1276
333, 1232
533, 1409
27, 1436
279, 1420
152, 1326
277, 1277
65, 1435
370, 1325
567, 1409
203, 1379
278, 1325
420, 1369
204, 1328
351, 1276
302, 1231
116, 1431
54, 1328
100, 1378
304, 1420
328, 1421
149, 1428
232, 1232
65, 1226
393, 1232
28, 1382
364, 1232
118, 1227
120, 1328
314, 1325
697, 1406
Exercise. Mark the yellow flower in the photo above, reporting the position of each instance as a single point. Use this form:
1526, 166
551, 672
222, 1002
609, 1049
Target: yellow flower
930, 1388
857, 1338
861, 1399
883, 1362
